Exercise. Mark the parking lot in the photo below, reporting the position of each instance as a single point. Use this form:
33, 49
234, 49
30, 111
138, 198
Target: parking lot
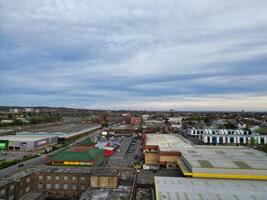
126, 154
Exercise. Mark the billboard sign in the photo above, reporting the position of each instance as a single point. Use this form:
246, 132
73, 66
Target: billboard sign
42, 142
3, 144
23, 144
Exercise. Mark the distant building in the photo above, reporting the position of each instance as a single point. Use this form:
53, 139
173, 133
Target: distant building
145, 117
135, 120
16, 142
14, 110
61, 135
227, 136
29, 109
175, 120
126, 119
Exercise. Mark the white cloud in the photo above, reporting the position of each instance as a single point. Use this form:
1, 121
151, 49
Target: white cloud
129, 48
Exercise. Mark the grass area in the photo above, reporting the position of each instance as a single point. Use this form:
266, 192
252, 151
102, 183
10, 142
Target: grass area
262, 130
262, 148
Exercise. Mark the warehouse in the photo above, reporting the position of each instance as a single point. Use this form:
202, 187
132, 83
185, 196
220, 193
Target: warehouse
15, 142
224, 162
209, 189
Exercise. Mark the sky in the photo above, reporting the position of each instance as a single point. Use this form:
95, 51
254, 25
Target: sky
195, 55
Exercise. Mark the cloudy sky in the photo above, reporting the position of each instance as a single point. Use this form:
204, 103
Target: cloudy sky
139, 54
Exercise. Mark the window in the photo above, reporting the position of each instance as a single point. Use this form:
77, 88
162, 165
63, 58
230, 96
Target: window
40, 177
74, 178
74, 187
83, 187
57, 187
66, 178
57, 177
65, 186
11, 197
48, 177
241, 140
48, 186
3, 191
82, 178
40, 185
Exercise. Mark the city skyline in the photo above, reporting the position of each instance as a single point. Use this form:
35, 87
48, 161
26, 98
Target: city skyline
196, 55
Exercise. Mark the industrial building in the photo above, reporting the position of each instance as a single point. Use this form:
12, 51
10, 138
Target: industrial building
166, 150
163, 150
62, 135
224, 162
85, 154
209, 189
16, 142
226, 136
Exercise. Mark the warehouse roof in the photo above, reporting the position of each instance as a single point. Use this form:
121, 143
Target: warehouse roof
19, 138
172, 188
226, 157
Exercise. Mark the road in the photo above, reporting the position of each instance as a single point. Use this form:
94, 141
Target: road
38, 160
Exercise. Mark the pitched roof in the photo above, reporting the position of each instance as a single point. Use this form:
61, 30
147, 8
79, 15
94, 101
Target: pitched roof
91, 154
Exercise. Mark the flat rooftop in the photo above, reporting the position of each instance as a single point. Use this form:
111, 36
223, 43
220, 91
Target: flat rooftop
225, 157
168, 142
176, 188
18, 138
65, 130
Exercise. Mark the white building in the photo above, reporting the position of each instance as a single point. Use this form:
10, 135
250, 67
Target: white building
14, 110
16, 142
175, 120
227, 136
